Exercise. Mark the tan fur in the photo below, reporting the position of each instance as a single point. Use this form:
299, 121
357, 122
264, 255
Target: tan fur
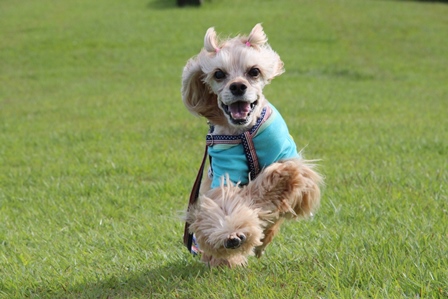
286, 189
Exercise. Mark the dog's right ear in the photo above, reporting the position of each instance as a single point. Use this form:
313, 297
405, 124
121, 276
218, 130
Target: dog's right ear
193, 89
196, 95
211, 41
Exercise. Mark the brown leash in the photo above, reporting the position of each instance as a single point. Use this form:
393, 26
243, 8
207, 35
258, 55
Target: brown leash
188, 237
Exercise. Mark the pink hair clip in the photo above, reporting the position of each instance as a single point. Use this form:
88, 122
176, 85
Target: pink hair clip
248, 43
217, 50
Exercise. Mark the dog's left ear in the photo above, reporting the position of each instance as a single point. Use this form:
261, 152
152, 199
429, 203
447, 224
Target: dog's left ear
292, 186
258, 39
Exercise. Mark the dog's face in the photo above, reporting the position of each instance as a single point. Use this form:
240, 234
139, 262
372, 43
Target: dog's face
225, 82
224, 223
237, 75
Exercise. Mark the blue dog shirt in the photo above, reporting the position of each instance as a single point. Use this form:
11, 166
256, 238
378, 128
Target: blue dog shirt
271, 141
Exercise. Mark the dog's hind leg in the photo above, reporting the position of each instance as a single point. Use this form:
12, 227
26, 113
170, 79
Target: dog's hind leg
269, 235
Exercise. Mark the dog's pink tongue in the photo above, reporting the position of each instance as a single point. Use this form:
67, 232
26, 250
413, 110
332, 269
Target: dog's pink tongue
239, 110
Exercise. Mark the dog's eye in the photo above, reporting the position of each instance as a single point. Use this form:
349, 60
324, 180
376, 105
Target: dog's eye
219, 75
254, 72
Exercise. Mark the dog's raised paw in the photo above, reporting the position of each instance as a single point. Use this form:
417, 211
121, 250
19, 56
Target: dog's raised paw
235, 240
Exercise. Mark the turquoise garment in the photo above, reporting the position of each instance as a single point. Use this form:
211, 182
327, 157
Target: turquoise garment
272, 143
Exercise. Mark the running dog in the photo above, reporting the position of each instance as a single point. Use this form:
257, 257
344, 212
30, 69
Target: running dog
256, 177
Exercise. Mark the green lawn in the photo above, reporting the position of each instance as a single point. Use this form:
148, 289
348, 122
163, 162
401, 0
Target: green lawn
98, 154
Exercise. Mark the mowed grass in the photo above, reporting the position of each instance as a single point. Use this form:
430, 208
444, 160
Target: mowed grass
98, 154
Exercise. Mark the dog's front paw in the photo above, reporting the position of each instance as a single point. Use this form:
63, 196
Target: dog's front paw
259, 251
235, 240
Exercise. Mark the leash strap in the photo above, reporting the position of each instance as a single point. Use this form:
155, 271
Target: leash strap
188, 237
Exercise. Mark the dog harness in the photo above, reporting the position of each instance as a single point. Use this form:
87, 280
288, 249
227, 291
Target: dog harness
243, 156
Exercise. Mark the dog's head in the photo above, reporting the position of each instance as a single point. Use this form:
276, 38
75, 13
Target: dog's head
225, 224
225, 81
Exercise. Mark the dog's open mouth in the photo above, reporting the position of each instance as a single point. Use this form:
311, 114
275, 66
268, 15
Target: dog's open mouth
240, 111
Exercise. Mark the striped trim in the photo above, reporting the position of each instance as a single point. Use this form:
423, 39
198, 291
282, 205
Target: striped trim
246, 139
236, 139
251, 155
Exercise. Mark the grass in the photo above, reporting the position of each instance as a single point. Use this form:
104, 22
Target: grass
98, 155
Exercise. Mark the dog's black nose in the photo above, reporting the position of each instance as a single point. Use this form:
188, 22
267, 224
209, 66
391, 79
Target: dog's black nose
235, 242
232, 243
237, 89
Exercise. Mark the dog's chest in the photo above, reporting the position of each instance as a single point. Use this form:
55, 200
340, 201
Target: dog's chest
271, 143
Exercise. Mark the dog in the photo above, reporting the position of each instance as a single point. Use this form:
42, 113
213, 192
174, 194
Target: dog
256, 178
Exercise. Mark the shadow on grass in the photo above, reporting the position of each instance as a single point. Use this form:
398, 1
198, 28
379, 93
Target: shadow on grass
171, 278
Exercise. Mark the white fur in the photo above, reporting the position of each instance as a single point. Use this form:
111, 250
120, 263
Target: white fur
204, 95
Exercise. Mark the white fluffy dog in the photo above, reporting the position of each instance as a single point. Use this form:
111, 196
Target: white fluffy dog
256, 177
